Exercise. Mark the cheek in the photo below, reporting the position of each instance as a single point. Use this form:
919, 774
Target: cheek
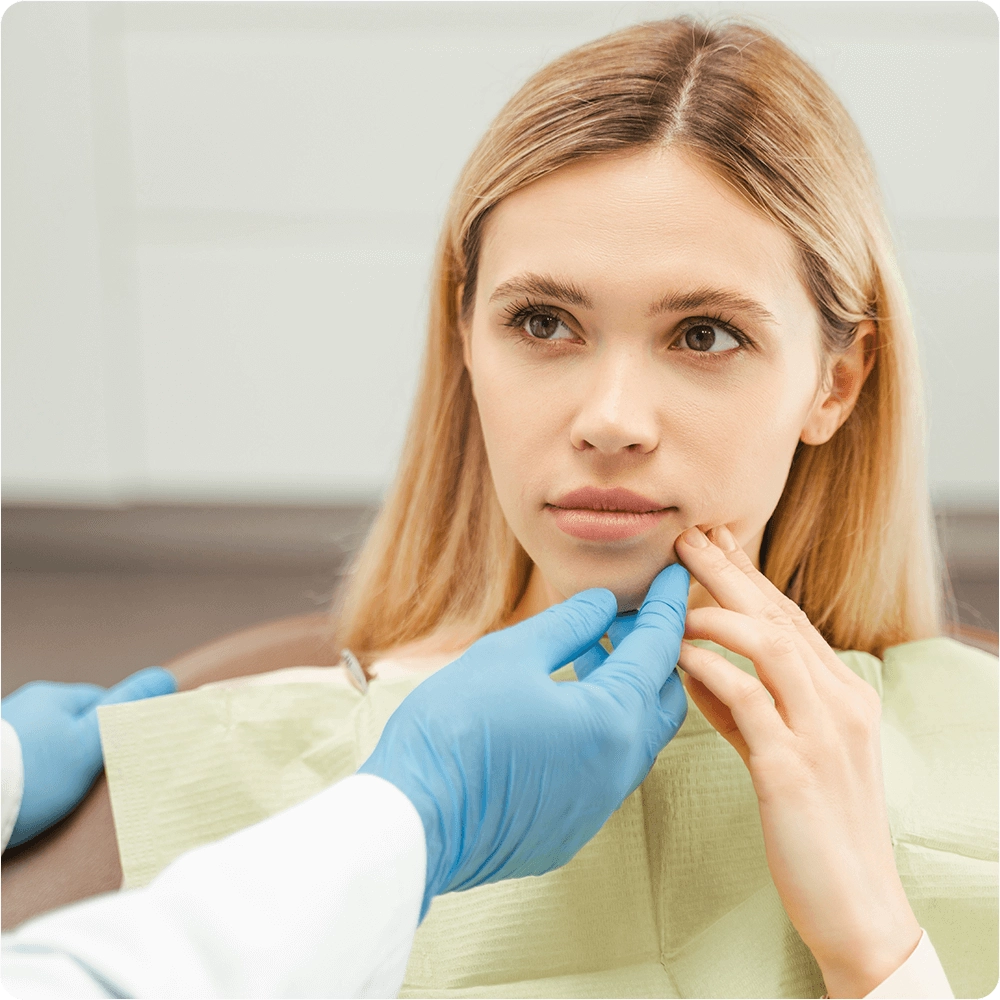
739, 445
523, 418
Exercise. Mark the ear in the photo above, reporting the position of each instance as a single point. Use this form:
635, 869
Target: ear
464, 328
834, 404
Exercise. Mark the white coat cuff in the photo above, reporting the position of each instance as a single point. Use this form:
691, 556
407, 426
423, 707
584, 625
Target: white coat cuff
920, 977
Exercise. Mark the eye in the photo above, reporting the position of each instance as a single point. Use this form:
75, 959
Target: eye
709, 338
545, 326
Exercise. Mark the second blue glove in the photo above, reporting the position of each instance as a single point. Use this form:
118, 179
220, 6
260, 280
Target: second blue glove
56, 725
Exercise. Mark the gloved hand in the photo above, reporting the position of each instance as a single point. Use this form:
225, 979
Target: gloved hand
56, 725
589, 661
511, 772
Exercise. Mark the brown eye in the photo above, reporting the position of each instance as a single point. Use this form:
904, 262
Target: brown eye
700, 338
544, 326
709, 338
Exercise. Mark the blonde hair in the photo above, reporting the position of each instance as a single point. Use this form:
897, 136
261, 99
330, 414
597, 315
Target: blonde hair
851, 538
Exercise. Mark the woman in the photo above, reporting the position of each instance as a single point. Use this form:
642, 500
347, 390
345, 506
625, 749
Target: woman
665, 304
666, 287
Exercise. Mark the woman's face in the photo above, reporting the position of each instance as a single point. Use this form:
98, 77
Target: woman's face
644, 357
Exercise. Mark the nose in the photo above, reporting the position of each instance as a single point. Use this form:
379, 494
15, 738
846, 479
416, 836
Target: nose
618, 413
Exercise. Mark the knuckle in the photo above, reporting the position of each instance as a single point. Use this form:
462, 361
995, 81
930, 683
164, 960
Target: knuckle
697, 619
572, 622
750, 695
773, 615
780, 643
742, 561
615, 736
583, 615
795, 614
863, 715
726, 565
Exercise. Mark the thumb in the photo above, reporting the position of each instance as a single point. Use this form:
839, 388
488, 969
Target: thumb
561, 633
146, 683
72, 698
652, 646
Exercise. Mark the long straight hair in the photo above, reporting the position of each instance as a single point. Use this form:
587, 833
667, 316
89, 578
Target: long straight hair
851, 539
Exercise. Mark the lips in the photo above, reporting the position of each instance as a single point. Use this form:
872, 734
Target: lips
617, 499
606, 515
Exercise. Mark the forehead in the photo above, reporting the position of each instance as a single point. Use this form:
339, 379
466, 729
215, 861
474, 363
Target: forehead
640, 225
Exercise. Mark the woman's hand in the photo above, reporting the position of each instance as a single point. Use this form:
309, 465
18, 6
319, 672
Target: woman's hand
815, 761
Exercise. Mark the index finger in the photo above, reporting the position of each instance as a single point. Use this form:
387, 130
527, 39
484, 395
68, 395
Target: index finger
147, 683
649, 651
725, 540
728, 585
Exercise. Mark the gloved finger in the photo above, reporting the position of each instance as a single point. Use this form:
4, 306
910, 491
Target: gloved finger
589, 660
72, 698
594, 657
673, 705
586, 663
147, 683
621, 627
561, 633
648, 653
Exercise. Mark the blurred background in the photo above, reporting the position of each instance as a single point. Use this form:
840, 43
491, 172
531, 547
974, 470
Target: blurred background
217, 229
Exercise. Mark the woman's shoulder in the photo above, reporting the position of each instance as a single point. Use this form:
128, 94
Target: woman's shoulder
937, 651
924, 663
424, 655
394, 663
945, 680
941, 660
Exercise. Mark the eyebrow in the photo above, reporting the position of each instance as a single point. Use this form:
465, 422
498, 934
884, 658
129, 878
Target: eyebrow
546, 286
713, 298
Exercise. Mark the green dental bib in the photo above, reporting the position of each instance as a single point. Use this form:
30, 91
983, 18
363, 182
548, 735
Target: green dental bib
672, 898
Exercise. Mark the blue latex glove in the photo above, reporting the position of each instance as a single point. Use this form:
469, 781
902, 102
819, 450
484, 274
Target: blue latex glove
588, 662
56, 725
511, 772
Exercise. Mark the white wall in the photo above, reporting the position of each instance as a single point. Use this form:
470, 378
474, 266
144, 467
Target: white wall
218, 222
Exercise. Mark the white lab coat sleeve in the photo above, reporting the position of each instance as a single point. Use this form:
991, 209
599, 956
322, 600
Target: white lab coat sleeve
320, 900
921, 975
11, 780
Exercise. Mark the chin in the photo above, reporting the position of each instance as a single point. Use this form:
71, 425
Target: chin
628, 584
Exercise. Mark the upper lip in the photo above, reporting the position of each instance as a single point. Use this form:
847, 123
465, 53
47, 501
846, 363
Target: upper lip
617, 499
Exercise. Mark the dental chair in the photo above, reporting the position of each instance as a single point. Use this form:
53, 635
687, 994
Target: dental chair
78, 857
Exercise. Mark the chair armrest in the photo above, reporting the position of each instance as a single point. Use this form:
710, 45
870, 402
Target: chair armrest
305, 640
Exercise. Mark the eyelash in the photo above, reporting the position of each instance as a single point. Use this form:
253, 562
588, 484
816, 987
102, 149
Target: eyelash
518, 313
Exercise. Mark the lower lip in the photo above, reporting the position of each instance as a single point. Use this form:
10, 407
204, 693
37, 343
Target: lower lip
604, 525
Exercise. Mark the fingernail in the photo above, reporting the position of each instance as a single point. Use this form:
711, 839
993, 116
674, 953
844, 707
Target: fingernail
695, 537
724, 539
